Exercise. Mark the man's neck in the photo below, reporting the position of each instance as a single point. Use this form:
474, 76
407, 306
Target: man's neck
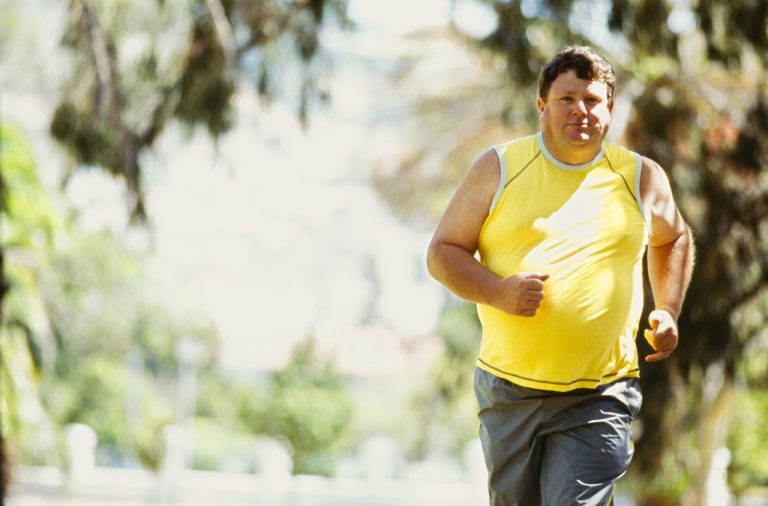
572, 154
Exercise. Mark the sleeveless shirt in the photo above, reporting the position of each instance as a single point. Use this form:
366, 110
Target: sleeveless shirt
584, 226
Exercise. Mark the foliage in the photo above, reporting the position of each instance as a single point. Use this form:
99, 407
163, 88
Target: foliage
715, 158
748, 442
443, 408
433, 150
93, 396
29, 225
145, 438
137, 67
94, 301
307, 405
112, 365
221, 440
217, 449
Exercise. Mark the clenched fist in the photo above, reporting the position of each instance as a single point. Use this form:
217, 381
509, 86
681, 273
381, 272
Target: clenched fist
520, 294
662, 336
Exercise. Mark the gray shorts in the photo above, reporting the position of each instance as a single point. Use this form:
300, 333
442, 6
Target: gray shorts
555, 448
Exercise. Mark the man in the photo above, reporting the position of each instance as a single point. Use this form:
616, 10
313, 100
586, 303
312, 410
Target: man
560, 222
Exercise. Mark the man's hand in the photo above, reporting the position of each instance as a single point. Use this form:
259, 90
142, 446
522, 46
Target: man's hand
662, 336
520, 294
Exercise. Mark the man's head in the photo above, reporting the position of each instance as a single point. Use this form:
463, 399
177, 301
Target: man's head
575, 103
585, 62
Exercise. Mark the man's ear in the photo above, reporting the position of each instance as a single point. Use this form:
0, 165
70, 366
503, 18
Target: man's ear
540, 104
610, 106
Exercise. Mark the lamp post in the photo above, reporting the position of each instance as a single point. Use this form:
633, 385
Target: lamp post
188, 352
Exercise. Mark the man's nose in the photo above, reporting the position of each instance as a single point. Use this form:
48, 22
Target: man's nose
579, 107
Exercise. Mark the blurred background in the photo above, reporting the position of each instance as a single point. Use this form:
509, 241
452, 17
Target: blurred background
215, 215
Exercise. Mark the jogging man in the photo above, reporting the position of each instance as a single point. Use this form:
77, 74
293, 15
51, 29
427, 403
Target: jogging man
547, 233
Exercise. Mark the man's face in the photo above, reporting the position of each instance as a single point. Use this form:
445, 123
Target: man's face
576, 112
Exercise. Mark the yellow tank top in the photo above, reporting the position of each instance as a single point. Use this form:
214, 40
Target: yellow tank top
584, 226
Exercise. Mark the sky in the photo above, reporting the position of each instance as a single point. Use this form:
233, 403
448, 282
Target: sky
275, 232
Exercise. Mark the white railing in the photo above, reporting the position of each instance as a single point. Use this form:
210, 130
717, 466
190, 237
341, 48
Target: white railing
436, 483
109, 486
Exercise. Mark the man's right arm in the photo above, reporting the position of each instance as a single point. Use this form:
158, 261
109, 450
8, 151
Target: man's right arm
451, 255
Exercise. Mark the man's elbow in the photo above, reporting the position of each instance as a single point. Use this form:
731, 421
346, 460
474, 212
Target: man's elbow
686, 241
434, 259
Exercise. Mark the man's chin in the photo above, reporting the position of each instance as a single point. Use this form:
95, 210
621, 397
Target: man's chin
580, 138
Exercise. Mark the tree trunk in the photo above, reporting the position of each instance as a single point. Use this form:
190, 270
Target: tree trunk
714, 417
4, 464
5, 470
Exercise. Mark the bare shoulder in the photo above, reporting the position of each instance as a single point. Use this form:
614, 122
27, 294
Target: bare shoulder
476, 190
654, 183
484, 173
656, 193
466, 212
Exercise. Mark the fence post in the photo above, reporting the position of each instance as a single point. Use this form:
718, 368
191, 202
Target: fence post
176, 441
81, 443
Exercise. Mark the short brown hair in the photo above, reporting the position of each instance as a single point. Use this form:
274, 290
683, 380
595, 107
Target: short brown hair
583, 60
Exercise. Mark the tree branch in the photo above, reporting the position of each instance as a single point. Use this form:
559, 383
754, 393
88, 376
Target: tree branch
111, 101
259, 37
223, 31
98, 46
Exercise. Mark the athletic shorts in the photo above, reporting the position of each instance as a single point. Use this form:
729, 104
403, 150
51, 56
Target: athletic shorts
555, 448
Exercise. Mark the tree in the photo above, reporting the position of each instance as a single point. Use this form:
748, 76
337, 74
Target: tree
28, 227
442, 407
306, 404
136, 69
112, 364
696, 82
717, 173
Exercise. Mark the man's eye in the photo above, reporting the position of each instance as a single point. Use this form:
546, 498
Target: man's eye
566, 99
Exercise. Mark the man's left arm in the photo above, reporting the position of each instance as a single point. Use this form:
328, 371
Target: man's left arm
670, 260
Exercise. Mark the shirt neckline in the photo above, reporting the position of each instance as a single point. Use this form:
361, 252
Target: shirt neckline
566, 166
